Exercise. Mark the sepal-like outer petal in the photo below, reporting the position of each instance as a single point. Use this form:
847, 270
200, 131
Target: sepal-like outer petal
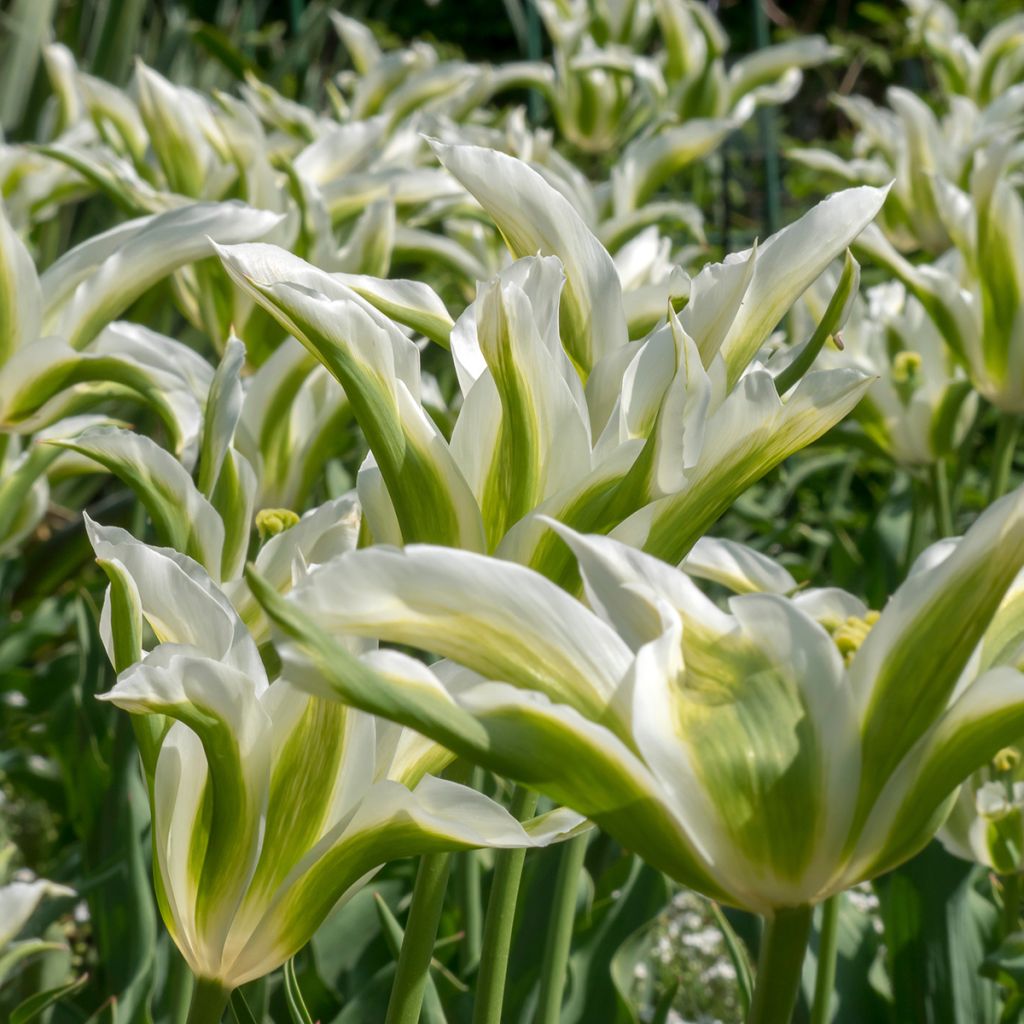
532, 217
97, 280
750, 433
928, 632
379, 370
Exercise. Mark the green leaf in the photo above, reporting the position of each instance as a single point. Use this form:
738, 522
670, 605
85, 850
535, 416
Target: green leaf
937, 930
240, 1009
32, 1007
293, 996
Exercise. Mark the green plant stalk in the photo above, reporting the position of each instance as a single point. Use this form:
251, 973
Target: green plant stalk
783, 944
767, 132
1007, 433
941, 499
177, 991
472, 910
1011, 903
420, 933
501, 915
209, 1000
471, 899
825, 978
559, 935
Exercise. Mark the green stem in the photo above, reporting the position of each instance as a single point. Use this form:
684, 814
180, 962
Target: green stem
209, 998
472, 910
825, 977
940, 496
914, 530
559, 933
1007, 433
783, 944
471, 898
501, 915
1011, 903
177, 992
420, 935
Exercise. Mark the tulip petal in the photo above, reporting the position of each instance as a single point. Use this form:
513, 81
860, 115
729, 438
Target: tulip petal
497, 618
787, 264
94, 282
750, 433
179, 601
532, 217
182, 516
736, 566
903, 675
21, 298
987, 717
379, 370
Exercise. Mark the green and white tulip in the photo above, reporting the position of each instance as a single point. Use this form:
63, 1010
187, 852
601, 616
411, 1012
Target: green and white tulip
921, 403
562, 414
768, 755
270, 805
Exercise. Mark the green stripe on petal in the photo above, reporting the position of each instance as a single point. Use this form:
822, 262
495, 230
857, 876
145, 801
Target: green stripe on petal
497, 618
540, 439
21, 299
97, 280
750, 433
183, 518
906, 670
987, 717
391, 823
532, 217
218, 704
379, 370
788, 263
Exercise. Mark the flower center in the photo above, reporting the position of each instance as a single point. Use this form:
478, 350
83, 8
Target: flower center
852, 632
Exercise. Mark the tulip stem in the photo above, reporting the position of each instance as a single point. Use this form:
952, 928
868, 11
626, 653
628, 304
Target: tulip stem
940, 495
560, 926
825, 978
420, 935
1007, 433
779, 965
501, 915
209, 1000
1011, 903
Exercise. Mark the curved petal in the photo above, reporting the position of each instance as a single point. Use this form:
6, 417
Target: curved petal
181, 514
500, 619
905, 672
532, 218
94, 282
391, 823
916, 798
180, 602
736, 566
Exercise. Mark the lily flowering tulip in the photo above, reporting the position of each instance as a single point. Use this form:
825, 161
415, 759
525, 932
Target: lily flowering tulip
563, 415
768, 755
270, 805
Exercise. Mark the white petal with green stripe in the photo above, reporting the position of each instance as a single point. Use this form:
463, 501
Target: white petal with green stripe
532, 217
379, 370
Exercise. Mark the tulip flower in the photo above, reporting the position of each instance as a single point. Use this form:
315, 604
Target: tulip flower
270, 805
921, 403
975, 296
562, 414
19, 900
766, 755
985, 823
